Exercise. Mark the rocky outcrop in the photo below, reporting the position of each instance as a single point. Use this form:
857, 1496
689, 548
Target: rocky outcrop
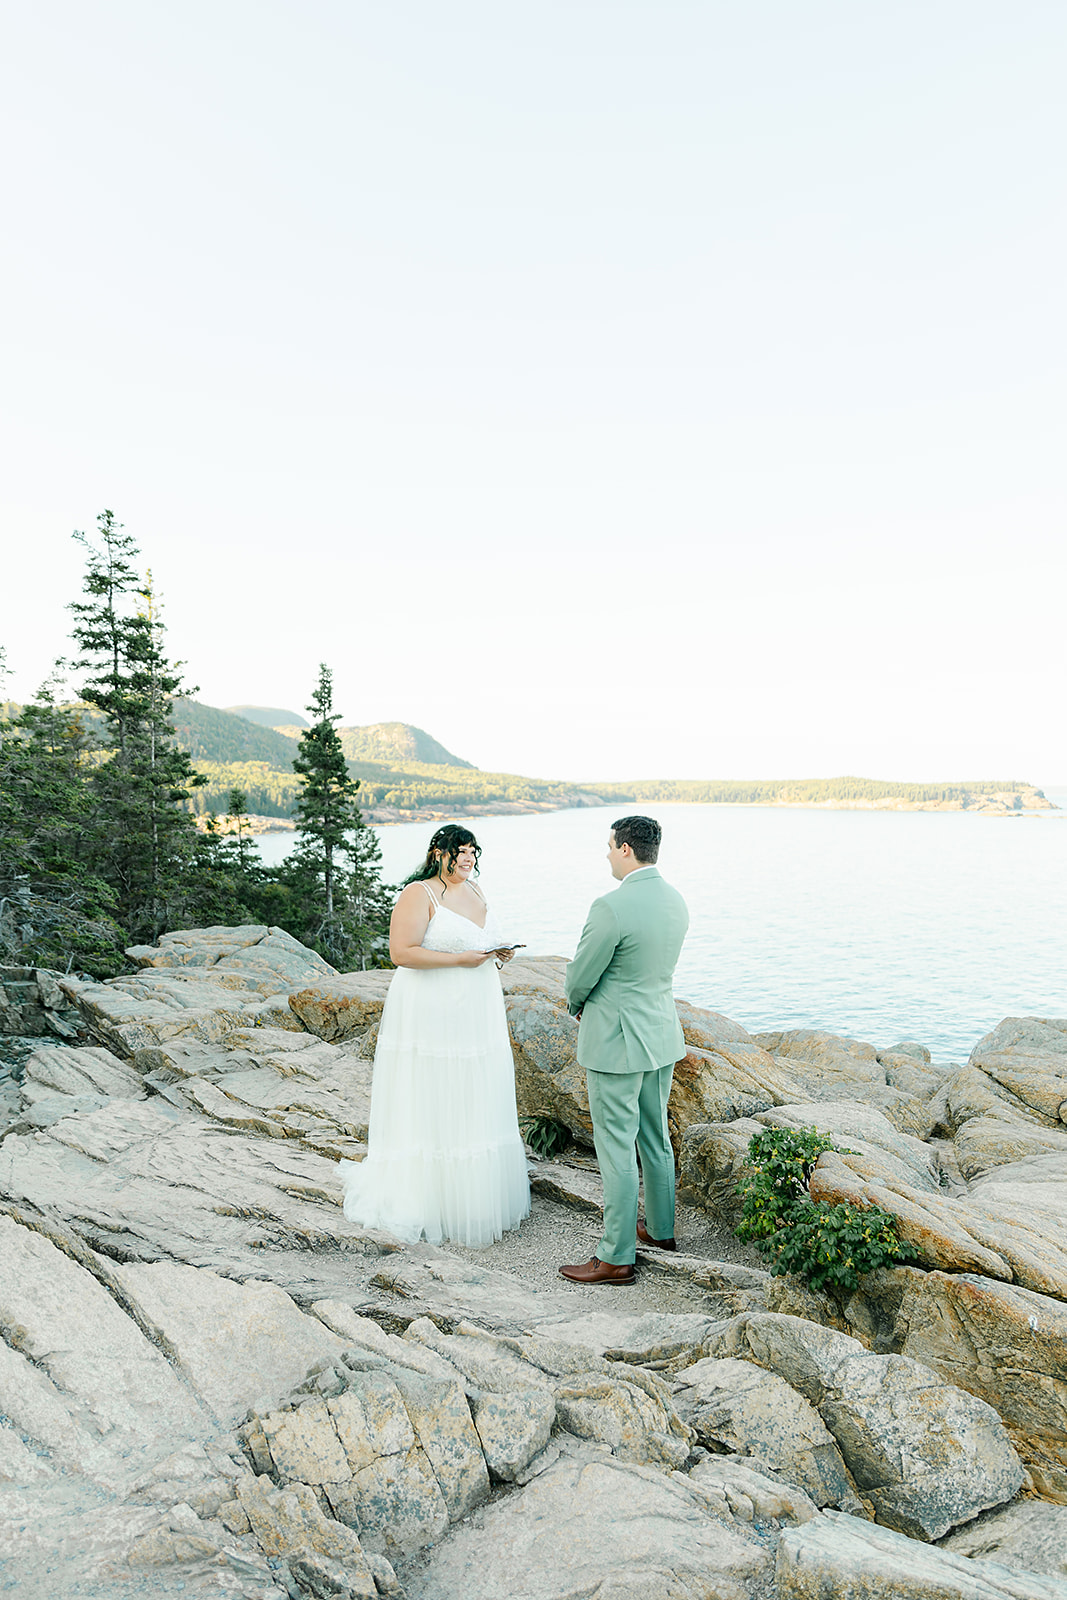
211, 1382
197, 985
33, 1004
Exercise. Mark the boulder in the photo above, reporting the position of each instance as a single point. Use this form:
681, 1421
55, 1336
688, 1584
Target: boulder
825, 1060
985, 1143
838, 1556
724, 1075
574, 1186
711, 1165
926, 1454
908, 1067
720, 1085
266, 1080
663, 1339
250, 948
747, 1411
543, 975
343, 1006
1000, 1342
197, 983
395, 1502
127, 1022
597, 1527
714, 1154
548, 1080
633, 1416
1028, 1057
968, 1092
453, 1443
482, 1361
512, 1429
394, 1452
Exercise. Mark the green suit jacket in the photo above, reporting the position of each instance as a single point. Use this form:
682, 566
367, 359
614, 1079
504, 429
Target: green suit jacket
621, 976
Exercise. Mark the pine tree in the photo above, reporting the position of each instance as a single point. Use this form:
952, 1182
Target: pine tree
146, 840
55, 909
367, 903
326, 813
333, 874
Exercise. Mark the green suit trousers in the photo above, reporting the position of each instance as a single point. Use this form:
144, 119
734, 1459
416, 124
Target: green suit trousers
629, 1111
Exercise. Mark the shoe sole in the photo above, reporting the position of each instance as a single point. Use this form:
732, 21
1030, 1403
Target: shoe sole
601, 1283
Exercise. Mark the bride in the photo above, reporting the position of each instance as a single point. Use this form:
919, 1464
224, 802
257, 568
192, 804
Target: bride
445, 1159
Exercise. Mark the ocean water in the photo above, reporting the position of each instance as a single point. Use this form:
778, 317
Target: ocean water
883, 925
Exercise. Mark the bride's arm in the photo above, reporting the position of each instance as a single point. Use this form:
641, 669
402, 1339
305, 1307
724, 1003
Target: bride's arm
407, 930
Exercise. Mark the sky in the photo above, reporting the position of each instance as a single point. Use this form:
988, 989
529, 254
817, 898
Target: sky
612, 389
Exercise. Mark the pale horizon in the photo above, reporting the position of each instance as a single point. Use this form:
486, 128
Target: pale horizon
606, 392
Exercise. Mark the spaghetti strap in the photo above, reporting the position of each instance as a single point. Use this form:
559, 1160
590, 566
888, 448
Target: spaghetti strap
433, 899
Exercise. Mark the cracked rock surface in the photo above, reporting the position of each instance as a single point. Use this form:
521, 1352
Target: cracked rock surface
212, 1384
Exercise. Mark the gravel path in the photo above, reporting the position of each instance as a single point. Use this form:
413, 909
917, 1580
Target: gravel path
556, 1233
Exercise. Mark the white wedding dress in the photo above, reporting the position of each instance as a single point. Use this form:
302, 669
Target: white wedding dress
445, 1157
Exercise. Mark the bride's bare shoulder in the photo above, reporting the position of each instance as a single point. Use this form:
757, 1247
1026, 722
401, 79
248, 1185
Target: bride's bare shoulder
413, 894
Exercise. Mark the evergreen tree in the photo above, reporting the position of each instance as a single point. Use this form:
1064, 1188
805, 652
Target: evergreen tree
238, 812
146, 840
367, 903
55, 909
326, 812
333, 874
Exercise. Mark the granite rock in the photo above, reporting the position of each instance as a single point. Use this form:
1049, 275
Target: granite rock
738, 1407
598, 1527
838, 1557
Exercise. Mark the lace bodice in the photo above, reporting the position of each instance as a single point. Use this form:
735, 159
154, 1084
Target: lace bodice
451, 931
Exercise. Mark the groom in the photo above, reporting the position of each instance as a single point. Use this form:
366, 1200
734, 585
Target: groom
629, 1037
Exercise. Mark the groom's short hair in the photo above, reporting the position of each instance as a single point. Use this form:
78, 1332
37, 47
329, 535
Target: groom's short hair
642, 834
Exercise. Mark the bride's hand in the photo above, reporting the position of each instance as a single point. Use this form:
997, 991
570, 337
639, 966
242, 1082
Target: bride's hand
473, 958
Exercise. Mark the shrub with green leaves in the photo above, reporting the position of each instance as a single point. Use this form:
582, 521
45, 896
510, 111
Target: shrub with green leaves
828, 1246
545, 1136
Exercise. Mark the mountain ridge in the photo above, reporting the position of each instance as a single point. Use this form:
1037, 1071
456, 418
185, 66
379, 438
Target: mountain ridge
268, 716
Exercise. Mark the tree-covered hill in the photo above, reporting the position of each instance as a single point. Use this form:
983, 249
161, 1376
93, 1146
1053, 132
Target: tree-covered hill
220, 736
398, 744
842, 792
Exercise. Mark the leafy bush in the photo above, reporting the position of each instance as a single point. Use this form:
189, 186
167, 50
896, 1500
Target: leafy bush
828, 1246
545, 1136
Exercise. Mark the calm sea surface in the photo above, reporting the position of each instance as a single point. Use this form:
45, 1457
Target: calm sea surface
883, 925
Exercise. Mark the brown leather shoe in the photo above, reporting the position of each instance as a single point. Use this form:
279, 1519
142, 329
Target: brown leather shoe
596, 1271
645, 1238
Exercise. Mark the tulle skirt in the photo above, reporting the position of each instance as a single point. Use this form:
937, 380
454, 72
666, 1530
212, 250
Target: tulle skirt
445, 1157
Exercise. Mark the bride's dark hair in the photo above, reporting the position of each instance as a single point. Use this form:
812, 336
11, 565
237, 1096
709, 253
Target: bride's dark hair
447, 842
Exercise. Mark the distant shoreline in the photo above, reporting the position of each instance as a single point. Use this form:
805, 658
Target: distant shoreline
395, 816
